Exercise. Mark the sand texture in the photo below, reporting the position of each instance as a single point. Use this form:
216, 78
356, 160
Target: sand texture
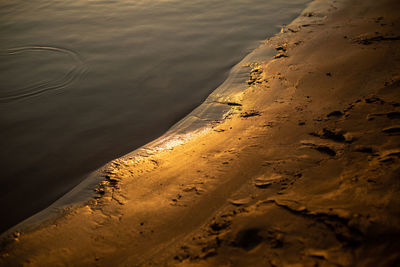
303, 172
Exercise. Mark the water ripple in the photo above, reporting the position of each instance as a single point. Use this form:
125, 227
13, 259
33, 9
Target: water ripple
41, 87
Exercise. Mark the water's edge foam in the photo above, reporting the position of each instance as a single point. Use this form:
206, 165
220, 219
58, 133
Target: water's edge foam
214, 108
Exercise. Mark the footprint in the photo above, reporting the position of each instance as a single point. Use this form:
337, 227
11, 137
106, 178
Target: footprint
393, 115
373, 100
265, 181
389, 115
262, 184
364, 149
392, 129
248, 239
334, 135
324, 149
335, 113
370, 40
388, 155
250, 114
219, 226
240, 202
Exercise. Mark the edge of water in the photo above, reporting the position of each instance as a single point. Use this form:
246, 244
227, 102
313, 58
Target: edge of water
215, 108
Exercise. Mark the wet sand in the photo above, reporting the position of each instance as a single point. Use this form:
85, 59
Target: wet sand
304, 169
80, 88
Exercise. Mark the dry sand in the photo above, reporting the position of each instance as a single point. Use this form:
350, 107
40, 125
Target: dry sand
304, 172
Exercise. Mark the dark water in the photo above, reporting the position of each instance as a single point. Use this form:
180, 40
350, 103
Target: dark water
83, 82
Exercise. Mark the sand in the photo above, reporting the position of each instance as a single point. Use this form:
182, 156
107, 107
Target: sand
303, 172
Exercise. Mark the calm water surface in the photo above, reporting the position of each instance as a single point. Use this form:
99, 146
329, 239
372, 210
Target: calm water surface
83, 82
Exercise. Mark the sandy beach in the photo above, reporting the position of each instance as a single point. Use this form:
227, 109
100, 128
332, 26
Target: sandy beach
303, 171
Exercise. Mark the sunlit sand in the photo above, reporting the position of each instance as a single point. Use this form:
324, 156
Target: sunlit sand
302, 171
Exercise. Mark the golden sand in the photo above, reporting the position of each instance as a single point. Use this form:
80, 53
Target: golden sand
304, 172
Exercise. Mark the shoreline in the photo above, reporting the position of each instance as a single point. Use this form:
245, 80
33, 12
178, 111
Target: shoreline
214, 109
166, 82
302, 170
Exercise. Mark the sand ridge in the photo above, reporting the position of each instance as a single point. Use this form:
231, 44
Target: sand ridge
303, 172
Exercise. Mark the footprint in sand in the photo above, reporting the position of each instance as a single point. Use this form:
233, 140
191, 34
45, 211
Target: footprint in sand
266, 181
392, 130
322, 148
240, 202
